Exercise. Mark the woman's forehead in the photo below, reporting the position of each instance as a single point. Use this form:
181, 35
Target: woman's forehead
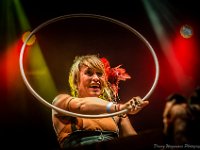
86, 67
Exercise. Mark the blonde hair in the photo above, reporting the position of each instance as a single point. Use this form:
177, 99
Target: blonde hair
93, 62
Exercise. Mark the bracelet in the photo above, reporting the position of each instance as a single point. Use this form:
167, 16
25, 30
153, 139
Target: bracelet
118, 107
115, 107
122, 115
108, 107
68, 105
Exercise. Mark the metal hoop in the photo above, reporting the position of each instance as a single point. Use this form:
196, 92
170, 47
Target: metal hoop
43, 101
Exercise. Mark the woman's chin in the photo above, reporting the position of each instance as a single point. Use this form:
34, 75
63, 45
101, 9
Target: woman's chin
95, 94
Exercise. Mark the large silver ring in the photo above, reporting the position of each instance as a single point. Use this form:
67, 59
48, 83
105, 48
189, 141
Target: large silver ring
114, 21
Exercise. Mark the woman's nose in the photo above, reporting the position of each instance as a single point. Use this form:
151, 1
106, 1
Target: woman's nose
95, 77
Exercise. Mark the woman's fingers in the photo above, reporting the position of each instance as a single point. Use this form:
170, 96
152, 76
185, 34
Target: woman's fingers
136, 104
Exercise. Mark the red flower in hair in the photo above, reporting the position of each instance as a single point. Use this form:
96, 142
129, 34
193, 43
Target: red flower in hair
114, 75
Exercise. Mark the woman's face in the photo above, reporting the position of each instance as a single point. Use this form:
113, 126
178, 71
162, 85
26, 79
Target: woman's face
90, 83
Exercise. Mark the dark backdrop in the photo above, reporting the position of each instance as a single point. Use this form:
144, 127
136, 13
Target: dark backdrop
25, 121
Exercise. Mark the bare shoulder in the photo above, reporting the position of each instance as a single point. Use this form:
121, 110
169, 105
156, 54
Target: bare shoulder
60, 97
179, 109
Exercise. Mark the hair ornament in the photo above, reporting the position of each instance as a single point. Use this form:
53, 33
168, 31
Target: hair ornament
114, 75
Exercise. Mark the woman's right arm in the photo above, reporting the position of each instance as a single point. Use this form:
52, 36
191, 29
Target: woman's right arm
94, 105
86, 105
62, 101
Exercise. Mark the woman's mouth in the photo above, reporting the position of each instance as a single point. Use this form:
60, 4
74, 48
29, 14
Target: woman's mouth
95, 86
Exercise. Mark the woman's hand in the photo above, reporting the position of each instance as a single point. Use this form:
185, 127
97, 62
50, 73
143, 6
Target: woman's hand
135, 105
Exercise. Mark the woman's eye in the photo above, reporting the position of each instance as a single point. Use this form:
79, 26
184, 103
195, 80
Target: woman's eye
89, 72
99, 74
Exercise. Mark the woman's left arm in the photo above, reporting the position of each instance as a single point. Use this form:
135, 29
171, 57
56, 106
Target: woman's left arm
125, 127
